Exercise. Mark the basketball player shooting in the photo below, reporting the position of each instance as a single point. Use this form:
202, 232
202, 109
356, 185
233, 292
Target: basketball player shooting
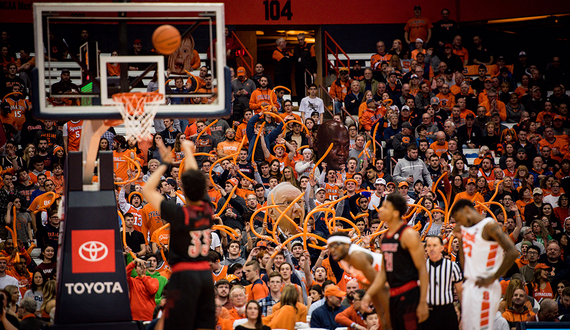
190, 298
487, 254
362, 264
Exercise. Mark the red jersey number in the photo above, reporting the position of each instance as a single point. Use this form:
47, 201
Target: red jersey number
200, 245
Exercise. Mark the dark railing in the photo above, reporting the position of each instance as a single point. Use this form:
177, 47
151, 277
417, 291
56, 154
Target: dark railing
242, 54
312, 80
335, 52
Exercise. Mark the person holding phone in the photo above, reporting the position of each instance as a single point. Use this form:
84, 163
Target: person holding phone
142, 289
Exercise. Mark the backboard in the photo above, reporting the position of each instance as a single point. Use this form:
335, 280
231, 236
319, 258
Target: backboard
106, 48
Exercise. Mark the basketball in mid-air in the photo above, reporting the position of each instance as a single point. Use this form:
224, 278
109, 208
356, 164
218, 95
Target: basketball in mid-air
166, 39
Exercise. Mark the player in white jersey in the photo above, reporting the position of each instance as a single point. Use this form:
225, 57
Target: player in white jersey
359, 263
487, 254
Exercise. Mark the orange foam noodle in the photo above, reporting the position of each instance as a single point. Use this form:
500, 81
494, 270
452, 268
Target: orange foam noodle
228, 230
263, 237
284, 215
228, 197
300, 123
256, 139
205, 129
322, 158
139, 171
125, 234
212, 167
434, 186
374, 139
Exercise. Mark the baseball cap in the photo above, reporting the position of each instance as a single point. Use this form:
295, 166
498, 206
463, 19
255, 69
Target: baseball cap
448, 45
448, 71
414, 76
357, 62
261, 244
496, 113
548, 114
295, 243
333, 290
370, 101
171, 182
419, 40
407, 125
240, 71
489, 80
233, 181
392, 73
521, 150
343, 69
527, 243
231, 278
403, 184
405, 107
558, 117
523, 53
380, 181
434, 100
417, 7
470, 180
537, 191
319, 189
469, 116
542, 266
137, 41
65, 71
390, 183
500, 58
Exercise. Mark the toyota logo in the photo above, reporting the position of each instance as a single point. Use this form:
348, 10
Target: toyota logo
93, 251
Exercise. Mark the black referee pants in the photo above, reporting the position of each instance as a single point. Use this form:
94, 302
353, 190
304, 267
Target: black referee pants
440, 318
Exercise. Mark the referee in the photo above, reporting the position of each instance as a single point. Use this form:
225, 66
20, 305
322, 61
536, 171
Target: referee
444, 274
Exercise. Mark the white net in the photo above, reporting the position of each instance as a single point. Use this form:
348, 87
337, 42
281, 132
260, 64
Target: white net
138, 111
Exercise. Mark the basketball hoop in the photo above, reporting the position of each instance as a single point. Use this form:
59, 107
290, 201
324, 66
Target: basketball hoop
138, 111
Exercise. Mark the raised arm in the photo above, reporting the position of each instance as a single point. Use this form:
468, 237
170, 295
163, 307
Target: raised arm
307, 269
123, 204
266, 152
292, 151
518, 221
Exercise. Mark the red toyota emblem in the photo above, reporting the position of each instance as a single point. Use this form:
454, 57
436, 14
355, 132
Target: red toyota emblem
93, 251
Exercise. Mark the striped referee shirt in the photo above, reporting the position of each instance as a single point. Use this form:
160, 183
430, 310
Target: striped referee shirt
442, 275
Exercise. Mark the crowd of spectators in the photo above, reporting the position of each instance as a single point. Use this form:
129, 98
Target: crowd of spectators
407, 119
